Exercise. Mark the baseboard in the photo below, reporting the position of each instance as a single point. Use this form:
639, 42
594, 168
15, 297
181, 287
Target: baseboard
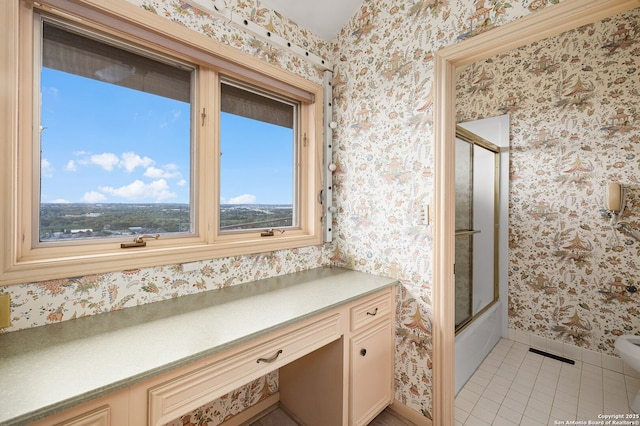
410, 414
254, 412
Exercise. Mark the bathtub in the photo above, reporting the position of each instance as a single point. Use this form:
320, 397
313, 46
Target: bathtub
475, 342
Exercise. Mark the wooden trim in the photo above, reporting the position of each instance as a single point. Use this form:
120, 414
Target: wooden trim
22, 261
153, 30
536, 26
444, 244
9, 12
410, 414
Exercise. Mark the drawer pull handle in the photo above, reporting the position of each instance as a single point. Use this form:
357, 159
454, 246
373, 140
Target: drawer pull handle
374, 313
363, 351
273, 358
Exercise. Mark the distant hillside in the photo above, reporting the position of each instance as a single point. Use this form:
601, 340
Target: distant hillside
80, 220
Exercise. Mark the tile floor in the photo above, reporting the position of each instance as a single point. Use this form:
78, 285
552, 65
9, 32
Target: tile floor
516, 387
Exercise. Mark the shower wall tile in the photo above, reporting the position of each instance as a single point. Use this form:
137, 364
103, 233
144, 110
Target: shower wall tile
522, 337
579, 355
629, 371
612, 363
538, 342
555, 347
592, 357
572, 352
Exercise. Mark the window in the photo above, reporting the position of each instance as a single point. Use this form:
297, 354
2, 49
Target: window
131, 127
115, 140
257, 160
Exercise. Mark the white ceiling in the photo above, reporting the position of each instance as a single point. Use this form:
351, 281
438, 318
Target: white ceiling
324, 18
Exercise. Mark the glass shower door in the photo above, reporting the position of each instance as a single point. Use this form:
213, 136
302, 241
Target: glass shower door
464, 231
476, 251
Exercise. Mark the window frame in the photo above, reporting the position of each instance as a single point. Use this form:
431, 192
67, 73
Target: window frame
38, 20
296, 156
22, 261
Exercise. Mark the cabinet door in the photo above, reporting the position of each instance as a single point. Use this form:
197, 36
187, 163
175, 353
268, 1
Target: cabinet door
371, 353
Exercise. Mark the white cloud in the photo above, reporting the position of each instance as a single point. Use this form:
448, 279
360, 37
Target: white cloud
92, 197
71, 166
131, 160
60, 201
181, 182
156, 173
243, 199
46, 169
157, 190
105, 160
51, 90
108, 160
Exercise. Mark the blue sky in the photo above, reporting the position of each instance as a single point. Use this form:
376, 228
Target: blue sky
103, 143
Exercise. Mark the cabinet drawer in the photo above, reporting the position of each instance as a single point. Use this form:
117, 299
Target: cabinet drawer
172, 399
99, 417
372, 309
110, 410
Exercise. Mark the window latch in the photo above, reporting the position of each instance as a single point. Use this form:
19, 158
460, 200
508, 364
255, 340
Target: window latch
270, 232
139, 241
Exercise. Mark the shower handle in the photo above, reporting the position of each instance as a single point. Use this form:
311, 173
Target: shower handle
463, 232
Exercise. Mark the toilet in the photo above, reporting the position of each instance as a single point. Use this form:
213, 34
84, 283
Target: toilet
628, 347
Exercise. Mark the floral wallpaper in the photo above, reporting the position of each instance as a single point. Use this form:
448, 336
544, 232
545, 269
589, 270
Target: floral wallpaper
382, 103
575, 126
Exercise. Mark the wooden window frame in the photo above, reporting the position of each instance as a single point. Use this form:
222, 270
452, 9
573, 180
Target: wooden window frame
23, 261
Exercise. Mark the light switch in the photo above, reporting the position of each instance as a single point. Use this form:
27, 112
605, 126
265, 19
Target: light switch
5, 310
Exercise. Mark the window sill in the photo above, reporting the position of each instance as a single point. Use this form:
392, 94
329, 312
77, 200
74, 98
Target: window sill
34, 268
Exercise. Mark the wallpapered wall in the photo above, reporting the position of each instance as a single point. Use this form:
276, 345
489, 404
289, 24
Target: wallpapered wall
382, 86
574, 102
382, 90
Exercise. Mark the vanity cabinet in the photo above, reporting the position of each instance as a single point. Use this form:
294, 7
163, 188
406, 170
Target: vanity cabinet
371, 354
371, 373
335, 368
329, 333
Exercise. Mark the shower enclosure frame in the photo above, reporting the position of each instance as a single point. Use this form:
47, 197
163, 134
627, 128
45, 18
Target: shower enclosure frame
476, 140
